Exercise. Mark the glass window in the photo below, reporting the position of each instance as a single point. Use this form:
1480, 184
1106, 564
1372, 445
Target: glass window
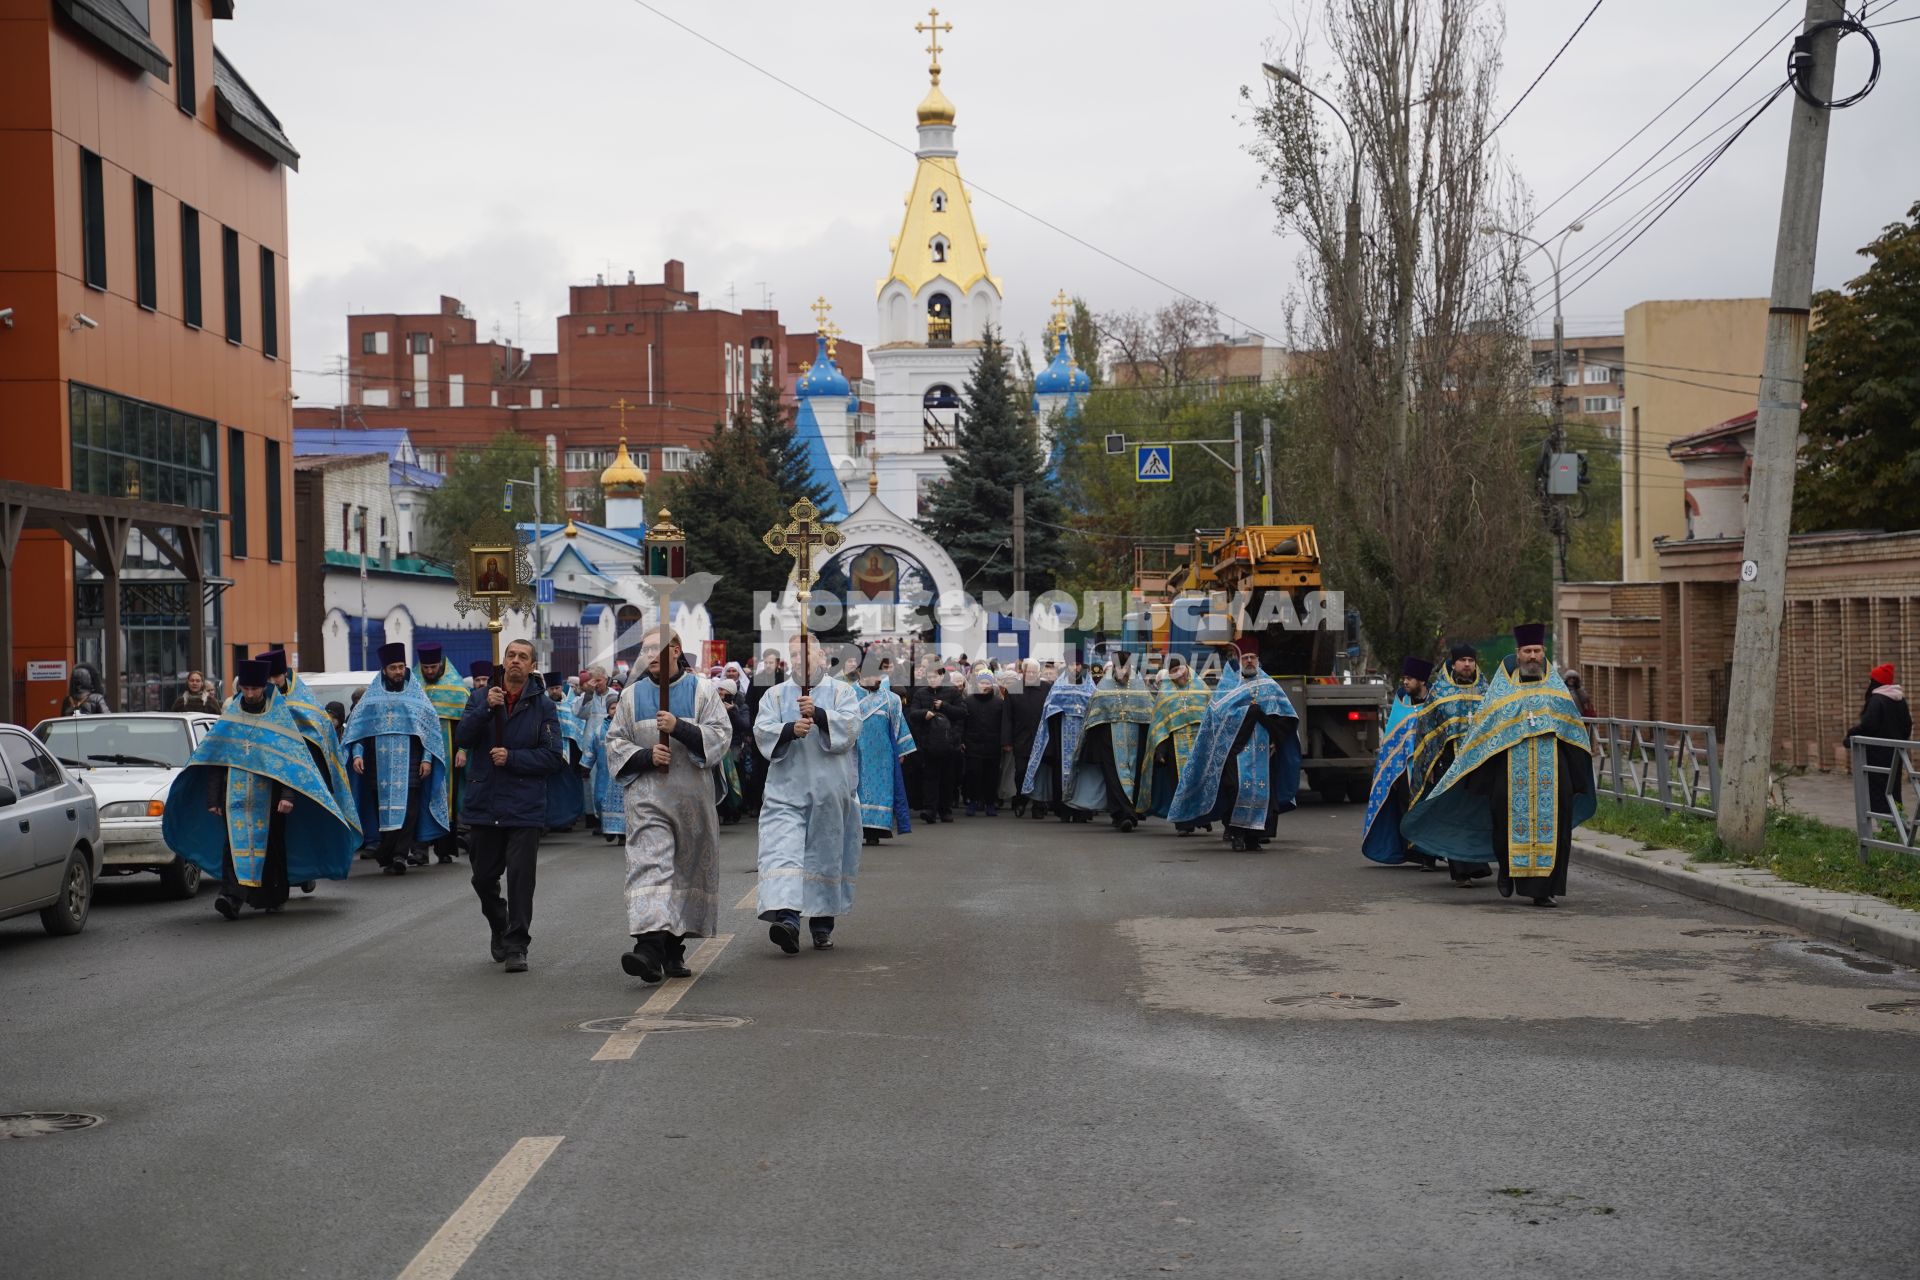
145, 252
93, 219
190, 265
28, 767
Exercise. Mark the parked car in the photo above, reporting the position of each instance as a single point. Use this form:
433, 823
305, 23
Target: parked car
337, 686
130, 761
49, 836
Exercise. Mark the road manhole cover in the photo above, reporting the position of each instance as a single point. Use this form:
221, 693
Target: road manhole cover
1288, 929
1334, 1000
1899, 1008
1734, 931
662, 1023
44, 1124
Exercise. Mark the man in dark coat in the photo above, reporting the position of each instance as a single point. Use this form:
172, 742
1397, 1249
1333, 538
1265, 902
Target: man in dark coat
1026, 706
986, 737
935, 717
1884, 715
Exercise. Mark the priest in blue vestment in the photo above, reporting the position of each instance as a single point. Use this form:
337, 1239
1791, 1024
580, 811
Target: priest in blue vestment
885, 741
399, 758
566, 800
253, 804
1389, 798
808, 728
448, 694
1056, 744
1245, 768
1520, 782
1114, 742
1177, 716
317, 727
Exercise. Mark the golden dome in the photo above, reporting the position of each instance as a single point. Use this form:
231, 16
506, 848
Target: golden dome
623, 476
935, 107
571, 531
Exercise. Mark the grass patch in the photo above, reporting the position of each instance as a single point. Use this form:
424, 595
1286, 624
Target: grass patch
1797, 849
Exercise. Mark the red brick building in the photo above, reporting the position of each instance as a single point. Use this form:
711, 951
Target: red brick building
643, 361
144, 385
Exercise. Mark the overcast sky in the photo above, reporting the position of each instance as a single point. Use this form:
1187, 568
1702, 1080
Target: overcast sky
498, 151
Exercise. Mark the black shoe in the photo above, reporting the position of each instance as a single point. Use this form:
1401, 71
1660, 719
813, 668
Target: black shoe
227, 907
785, 935
497, 946
308, 886
822, 941
1545, 902
675, 966
446, 859
397, 867
418, 858
642, 963
946, 817
928, 818
517, 962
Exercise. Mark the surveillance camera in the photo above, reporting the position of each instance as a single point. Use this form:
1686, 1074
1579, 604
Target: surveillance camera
83, 319
6, 316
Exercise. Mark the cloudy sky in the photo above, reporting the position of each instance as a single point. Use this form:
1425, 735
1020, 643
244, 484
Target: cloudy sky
472, 148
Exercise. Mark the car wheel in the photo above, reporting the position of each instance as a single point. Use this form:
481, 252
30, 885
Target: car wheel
181, 878
69, 914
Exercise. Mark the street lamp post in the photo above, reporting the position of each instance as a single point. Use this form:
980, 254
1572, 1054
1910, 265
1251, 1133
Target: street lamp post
1556, 514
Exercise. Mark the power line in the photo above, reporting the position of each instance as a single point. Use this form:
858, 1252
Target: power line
1543, 71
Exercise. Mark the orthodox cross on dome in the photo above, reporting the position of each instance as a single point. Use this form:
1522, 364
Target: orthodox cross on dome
933, 27
622, 405
1062, 304
820, 308
832, 331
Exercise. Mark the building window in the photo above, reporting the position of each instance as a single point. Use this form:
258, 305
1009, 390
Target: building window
588, 459
184, 86
190, 265
537, 398
419, 344
939, 202
1598, 373
236, 494
145, 268
672, 459
939, 321
230, 281
434, 460
629, 328
939, 246
1599, 404
93, 219
273, 502
591, 330
122, 448
269, 305
346, 526
375, 397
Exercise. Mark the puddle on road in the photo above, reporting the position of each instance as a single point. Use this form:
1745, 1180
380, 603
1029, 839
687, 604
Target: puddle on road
1853, 960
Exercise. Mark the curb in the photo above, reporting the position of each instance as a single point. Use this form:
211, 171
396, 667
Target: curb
1855, 920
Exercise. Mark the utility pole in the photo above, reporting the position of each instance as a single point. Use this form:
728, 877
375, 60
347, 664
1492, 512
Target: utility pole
1019, 539
1239, 474
1266, 469
1763, 571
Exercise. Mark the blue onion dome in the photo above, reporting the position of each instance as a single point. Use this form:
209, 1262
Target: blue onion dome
1061, 378
823, 379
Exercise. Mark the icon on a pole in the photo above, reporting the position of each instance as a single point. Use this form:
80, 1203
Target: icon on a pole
1116, 443
1153, 464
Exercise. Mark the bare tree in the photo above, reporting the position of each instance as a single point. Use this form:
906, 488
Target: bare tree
1413, 439
1169, 346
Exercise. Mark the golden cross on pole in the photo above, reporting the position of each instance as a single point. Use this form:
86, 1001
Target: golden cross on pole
798, 538
820, 308
622, 405
832, 331
934, 27
1062, 304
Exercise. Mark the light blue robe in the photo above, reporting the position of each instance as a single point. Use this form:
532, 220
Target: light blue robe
1063, 716
383, 728
885, 741
1380, 838
809, 816
1266, 782
565, 795
603, 790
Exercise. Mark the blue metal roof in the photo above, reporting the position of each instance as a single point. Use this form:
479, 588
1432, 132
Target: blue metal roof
392, 441
634, 537
418, 477
819, 465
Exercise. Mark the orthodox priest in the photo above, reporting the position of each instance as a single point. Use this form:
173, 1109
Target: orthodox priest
1456, 695
1115, 741
1177, 715
885, 741
808, 728
664, 759
565, 796
1056, 744
1520, 782
1390, 796
448, 694
1245, 767
254, 806
398, 752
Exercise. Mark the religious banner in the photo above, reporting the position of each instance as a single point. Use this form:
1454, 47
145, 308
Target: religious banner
713, 653
873, 577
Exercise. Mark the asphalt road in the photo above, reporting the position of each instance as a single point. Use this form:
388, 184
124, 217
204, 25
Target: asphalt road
1038, 1050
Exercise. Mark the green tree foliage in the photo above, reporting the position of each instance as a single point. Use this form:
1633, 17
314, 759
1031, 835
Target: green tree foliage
468, 503
1083, 336
726, 502
971, 509
1860, 465
771, 422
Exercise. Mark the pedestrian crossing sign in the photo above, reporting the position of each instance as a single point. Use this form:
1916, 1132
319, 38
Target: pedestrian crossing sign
1153, 464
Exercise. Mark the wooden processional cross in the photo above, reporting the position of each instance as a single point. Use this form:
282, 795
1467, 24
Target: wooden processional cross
798, 538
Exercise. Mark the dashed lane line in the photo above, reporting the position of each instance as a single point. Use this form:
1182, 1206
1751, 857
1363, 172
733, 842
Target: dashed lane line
621, 1045
443, 1256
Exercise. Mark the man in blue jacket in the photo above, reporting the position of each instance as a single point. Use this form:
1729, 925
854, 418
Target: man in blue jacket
512, 739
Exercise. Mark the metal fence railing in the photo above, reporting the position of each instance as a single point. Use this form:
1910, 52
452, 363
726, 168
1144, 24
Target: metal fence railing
1895, 810
1676, 766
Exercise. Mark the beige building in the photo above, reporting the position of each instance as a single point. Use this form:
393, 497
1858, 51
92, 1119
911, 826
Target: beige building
1687, 365
1228, 361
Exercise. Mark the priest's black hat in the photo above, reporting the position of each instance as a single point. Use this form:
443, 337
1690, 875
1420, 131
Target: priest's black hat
1529, 633
1418, 668
392, 652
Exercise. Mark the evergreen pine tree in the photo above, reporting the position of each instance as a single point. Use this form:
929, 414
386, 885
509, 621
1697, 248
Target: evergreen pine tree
726, 502
970, 512
771, 423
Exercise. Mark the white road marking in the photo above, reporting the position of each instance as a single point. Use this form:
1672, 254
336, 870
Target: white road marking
753, 896
621, 1045
443, 1256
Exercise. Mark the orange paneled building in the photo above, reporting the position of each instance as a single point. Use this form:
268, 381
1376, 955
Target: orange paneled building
145, 371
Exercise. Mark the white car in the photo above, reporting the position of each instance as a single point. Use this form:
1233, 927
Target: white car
49, 836
130, 762
337, 686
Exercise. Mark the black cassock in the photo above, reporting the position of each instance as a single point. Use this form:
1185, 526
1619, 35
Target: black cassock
1573, 777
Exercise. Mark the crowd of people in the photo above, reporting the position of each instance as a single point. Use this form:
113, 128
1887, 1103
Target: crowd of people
1483, 775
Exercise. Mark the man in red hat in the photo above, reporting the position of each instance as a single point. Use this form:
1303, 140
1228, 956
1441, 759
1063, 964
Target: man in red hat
1885, 715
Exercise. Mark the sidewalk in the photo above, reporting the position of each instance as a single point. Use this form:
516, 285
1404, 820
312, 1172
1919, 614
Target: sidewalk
1824, 797
1854, 919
